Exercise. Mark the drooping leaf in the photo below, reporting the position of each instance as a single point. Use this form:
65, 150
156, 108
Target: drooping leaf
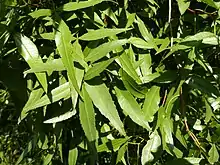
87, 116
63, 42
103, 101
104, 49
151, 103
131, 107
145, 33
151, 146
31, 55
101, 33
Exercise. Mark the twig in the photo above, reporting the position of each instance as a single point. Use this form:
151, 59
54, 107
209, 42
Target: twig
169, 21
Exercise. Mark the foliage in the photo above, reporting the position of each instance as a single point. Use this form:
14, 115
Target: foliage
109, 82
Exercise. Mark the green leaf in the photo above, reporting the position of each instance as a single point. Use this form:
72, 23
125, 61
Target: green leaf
151, 146
101, 33
199, 36
193, 160
108, 12
48, 159
145, 33
121, 152
34, 96
131, 107
209, 112
10, 2
166, 77
31, 55
150, 77
62, 117
166, 131
63, 42
213, 154
103, 101
203, 85
52, 65
72, 158
151, 103
128, 67
29, 148
72, 6
183, 6
78, 55
41, 13
112, 145
61, 92
145, 66
131, 85
87, 116
104, 49
140, 43
97, 68
210, 3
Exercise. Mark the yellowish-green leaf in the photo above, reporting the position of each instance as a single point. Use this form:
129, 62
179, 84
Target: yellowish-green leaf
103, 101
31, 55
151, 103
213, 155
72, 158
131, 107
101, 33
98, 68
62, 117
72, 6
87, 116
151, 146
63, 42
104, 49
140, 43
41, 13
61, 92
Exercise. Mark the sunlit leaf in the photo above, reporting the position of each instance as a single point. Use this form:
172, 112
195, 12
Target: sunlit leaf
87, 116
103, 101
63, 42
72, 158
151, 146
101, 33
151, 103
131, 107
104, 49
31, 55
72, 6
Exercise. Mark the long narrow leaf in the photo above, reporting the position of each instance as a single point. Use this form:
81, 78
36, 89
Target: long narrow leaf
31, 55
103, 101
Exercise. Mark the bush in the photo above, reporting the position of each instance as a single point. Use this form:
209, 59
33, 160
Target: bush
109, 82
